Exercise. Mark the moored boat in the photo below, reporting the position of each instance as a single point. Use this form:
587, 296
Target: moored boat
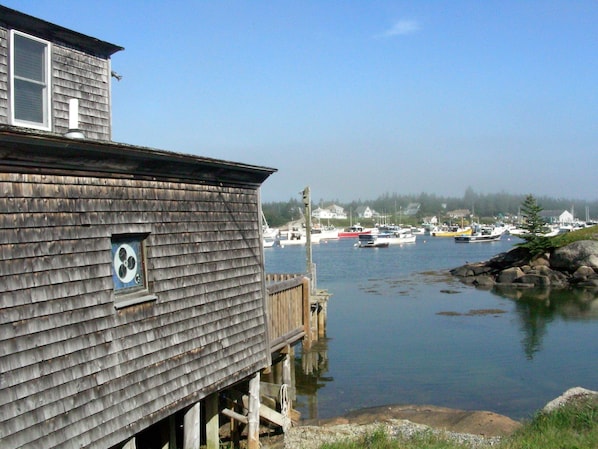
353, 232
482, 234
395, 235
371, 241
452, 231
325, 233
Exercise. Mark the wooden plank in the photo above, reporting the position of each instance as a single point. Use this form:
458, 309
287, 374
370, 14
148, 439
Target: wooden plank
236, 416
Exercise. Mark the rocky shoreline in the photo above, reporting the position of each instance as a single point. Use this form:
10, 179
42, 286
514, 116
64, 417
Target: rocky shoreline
573, 265
475, 429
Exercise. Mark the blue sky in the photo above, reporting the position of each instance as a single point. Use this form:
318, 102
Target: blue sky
359, 98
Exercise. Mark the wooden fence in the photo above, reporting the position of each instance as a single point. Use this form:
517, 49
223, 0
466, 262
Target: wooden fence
288, 310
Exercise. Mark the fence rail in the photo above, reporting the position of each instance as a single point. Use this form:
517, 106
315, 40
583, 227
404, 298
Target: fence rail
288, 309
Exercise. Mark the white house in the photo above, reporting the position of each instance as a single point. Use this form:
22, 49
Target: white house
566, 218
332, 211
365, 212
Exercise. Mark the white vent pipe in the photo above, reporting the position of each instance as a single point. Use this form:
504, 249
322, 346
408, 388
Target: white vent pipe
74, 132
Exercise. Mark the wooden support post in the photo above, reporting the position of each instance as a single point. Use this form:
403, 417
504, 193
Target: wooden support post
306, 314
172, 425
314, 323
212, 424
168, 433
131, 444
286, 368
191, 427
322, 318
253, 430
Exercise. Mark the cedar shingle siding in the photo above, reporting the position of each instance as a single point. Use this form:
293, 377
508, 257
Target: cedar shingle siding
77, 75
76, 371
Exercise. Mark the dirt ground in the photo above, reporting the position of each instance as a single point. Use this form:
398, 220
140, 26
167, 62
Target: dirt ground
461, 421
482, 423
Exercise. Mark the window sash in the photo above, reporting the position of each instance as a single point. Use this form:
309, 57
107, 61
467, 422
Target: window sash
30, 92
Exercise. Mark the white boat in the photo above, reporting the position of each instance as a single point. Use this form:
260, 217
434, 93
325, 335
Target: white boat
294, 236
269, 242
269, 235
395, 235
482, 234
371, 241
297, 236
324, 233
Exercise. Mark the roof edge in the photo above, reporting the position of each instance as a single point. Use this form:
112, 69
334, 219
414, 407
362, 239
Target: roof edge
26, 150
56, 33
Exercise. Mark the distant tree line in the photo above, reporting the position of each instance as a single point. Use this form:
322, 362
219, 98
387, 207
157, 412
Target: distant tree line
489, 206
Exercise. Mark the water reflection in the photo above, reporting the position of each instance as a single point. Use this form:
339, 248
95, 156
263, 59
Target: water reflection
537, 308
311, 367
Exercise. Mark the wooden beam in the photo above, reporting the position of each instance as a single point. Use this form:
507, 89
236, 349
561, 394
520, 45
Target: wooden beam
234, 415
274, 417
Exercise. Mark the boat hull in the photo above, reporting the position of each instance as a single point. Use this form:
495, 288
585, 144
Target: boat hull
477, 238
371, 241
452, 233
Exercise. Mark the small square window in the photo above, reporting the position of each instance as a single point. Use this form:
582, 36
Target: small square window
129, 270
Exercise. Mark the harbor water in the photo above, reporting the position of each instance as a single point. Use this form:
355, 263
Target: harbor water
401, 330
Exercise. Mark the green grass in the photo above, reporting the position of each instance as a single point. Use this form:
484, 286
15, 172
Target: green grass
574, 426
570, 237
380, 440
538, 244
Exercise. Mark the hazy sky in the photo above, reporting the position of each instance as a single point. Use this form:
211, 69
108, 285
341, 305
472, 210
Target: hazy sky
359, 98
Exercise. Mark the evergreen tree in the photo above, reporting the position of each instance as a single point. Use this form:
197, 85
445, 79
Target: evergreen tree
533, 224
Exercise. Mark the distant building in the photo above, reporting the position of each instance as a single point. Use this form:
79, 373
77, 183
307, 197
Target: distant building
557, 217
365, 212
330, 212
338, 211
459, 213
412, 209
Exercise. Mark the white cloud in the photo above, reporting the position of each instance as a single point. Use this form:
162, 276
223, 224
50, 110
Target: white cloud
402, 27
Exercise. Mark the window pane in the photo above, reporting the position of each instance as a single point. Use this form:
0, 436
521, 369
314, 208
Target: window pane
29, 59
29, 101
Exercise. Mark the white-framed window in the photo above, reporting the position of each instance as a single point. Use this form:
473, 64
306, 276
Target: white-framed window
129, 273
29, 81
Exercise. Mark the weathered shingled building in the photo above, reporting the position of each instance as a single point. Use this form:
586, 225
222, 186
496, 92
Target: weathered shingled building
131, 279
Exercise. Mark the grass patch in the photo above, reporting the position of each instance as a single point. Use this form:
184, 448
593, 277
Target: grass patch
379, 439
590, 233
574, 426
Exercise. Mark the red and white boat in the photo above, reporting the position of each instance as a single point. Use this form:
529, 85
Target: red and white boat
353, 232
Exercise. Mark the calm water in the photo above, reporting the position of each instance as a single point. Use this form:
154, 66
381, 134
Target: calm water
400, 331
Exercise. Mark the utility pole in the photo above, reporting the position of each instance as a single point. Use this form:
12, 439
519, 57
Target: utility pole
310, 268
